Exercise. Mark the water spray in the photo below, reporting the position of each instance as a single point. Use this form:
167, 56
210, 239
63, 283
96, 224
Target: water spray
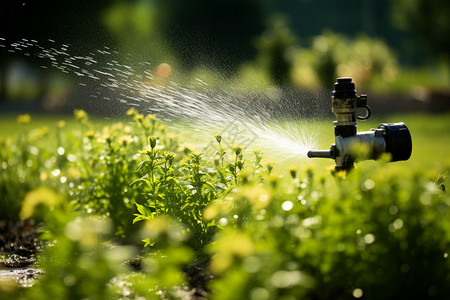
351, 146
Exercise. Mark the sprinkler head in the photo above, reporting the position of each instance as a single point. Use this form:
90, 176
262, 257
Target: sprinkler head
350, 146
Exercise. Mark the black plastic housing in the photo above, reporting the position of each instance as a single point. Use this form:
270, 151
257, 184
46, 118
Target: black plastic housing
398, 140
345, 130
344, 88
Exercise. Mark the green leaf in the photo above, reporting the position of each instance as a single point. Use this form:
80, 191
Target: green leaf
138, 181
148, 242
227, 191
210, 186
144, 210
441, 178
140, 218
141, 165
141, 209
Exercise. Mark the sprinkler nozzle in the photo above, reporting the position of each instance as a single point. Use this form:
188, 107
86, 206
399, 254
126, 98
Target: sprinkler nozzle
350, 146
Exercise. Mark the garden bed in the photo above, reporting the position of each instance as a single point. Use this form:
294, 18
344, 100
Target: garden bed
130, 211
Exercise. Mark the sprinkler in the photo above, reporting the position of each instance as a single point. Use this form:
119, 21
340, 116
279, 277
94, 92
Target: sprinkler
351, 146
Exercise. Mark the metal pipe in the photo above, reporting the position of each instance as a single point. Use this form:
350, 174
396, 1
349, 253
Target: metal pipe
319, 153
351, 146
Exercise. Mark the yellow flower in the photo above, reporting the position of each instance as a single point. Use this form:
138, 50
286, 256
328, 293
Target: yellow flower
38, 133
131, 112
24, 119
127, 129
259, 197
227, 248
41, 197
269, 165
80, 114
237, 149
150, 117
61, 124
125, 140
90, 134
117, 126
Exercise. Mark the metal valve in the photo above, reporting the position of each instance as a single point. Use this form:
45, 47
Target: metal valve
350, 146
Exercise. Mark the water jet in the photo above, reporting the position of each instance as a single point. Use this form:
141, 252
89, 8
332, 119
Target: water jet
351, 146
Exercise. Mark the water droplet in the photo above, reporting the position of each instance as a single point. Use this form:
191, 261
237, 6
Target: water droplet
312, 221
259, 293
393, 210
61, 151
358, 293
369, 238
263, 197
287, 205
368, 185
398, 224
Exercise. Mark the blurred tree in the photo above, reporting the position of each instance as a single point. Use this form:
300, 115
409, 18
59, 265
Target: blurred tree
215, 34
428, 19
134, 27
333, 55
373, 17
275, 45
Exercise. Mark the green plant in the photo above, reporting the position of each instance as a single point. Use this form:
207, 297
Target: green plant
375, 233
179, 189
161, 272
27, 162
230, 225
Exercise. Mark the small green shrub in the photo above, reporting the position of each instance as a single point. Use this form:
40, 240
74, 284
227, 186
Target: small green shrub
182, 185
332, 55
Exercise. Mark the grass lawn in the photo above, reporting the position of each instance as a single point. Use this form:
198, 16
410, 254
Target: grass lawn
430, 136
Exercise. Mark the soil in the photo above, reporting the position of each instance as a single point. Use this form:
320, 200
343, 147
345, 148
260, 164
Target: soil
18, 246
197, 276
198, 280
18, 242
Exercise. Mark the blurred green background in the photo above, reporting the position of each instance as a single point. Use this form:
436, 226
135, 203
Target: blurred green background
399, 47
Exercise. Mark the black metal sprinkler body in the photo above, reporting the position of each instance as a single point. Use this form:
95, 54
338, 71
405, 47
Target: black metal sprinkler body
350, 146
